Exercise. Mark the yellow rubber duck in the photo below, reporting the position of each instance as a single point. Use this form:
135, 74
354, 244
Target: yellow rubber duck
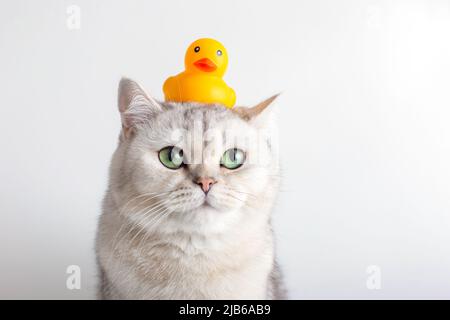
205, 63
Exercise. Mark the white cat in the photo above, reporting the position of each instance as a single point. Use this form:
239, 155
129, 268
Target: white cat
188, 208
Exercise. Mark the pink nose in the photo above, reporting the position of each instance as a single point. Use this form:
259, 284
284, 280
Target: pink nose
205, 183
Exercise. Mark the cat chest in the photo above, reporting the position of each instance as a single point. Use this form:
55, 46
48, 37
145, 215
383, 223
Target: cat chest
201, 275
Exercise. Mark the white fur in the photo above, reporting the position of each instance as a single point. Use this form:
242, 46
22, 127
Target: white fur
160, 237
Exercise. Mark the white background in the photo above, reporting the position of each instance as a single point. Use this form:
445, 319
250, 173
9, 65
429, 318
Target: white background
364, 119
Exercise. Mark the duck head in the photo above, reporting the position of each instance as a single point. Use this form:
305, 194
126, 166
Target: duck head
206, 56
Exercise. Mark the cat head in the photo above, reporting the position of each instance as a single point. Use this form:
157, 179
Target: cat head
192, 166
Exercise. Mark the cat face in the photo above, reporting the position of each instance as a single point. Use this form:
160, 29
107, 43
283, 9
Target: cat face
193, 166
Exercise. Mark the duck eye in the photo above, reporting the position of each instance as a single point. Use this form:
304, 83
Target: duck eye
219, 52
171, 157
197, 49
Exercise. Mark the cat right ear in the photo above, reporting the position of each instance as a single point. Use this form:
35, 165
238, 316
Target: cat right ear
135, 106
249, 114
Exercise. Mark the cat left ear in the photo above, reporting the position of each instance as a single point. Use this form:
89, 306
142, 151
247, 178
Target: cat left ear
252, 112
135, 105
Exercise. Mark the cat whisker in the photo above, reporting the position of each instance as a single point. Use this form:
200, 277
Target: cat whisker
124, 207
151, 211
156, 221
149, 218
234, 197
135, 224
152, 195
143, 226
156, 218
242, 192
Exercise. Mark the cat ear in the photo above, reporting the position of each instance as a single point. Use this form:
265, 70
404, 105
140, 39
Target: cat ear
135, 105
253, 112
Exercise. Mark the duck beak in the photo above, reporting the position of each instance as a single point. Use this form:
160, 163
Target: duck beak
205, 65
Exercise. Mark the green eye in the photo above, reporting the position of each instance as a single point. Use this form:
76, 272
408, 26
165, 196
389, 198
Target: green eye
233, 158
171, 157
